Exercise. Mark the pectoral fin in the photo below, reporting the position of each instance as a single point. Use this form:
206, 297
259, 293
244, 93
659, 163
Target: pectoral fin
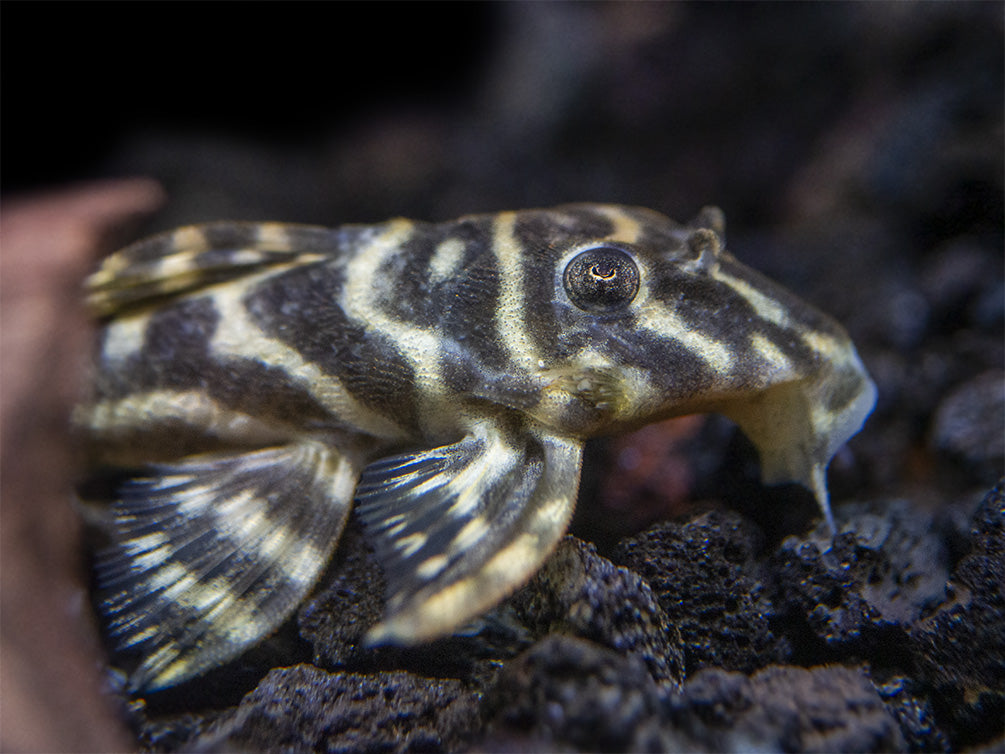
457, 528
211, 554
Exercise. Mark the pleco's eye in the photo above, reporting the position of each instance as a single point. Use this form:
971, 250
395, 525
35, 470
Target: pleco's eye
601, 280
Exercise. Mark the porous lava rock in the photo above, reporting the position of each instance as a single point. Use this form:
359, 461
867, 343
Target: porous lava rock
303, 708
859, 593
960, 648
707, 578
785, 708
567, 693
581, 593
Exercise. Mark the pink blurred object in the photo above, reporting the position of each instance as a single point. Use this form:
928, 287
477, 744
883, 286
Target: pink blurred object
50, 683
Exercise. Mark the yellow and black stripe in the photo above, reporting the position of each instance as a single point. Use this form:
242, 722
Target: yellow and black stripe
251, 371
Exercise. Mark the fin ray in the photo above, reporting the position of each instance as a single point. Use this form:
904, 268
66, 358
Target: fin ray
196, 256
193, 584
457, 528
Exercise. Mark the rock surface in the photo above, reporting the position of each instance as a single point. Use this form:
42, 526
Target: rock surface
786, 708
303, 708
865, 644
712, 588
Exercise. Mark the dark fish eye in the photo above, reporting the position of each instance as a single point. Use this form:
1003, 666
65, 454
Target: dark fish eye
601, 280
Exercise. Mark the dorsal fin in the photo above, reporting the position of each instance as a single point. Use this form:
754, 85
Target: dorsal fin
197, 256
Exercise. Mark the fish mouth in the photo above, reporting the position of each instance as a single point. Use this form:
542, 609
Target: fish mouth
798, 426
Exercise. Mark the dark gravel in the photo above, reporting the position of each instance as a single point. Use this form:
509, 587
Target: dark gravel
702, 640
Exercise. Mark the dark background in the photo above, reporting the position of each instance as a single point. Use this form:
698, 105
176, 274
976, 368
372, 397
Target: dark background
354, 112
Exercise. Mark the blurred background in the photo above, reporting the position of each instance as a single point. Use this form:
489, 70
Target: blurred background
353, 113
857, 150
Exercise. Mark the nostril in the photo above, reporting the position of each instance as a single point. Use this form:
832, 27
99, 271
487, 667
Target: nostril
703, 246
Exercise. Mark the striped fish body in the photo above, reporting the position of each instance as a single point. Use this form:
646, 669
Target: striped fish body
254, 380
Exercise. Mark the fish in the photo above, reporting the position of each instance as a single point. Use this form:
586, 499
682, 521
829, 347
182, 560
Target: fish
254, 383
